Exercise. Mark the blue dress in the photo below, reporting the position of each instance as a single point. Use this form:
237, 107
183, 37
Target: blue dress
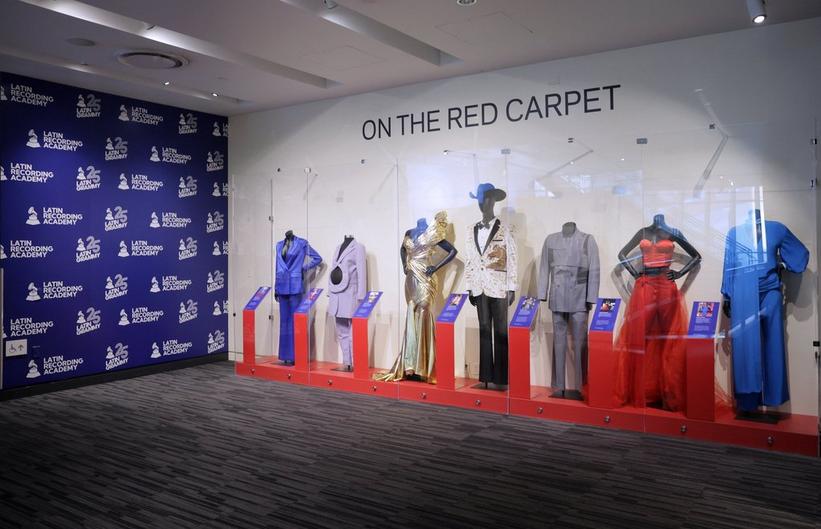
754, 256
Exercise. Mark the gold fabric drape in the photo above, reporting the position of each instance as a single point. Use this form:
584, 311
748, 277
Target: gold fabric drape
418, 353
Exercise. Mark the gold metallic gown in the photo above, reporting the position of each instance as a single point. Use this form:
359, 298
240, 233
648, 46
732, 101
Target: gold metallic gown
418, 353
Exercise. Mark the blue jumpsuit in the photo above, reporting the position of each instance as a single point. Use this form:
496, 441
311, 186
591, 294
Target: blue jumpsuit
752, 266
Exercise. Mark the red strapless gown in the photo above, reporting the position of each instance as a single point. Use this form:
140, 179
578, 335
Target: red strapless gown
650, 347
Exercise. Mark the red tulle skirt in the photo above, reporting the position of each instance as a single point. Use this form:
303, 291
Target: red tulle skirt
651, 346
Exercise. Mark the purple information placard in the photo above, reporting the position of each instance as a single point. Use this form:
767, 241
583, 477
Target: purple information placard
525, 312
366, 307
703, 319
453, 306
607, 311
257, 298
308, 301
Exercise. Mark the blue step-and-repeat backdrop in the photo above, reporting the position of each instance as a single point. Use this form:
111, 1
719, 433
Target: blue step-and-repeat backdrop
113, 232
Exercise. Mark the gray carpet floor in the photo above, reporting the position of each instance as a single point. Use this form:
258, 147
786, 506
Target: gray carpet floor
202, 448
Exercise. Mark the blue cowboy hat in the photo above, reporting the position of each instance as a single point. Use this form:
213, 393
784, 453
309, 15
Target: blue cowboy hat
490, 190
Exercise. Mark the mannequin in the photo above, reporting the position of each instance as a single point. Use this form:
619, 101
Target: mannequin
756, 254
290, 255
569, 275
347, 287
417, 357
651, 346
491, 279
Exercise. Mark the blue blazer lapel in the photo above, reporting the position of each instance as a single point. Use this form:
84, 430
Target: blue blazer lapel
278, 251
296, 253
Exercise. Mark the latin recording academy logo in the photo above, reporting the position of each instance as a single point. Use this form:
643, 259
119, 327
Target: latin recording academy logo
170, 219
220, 191
139, 115
215, 281
116, 356
20, 93
187, 124
53, 290
117, 287
25, 172
88, 106
88, 179
169, 284
52, 140
140, 315
214, 222
116, 150
28, 327
188, 311
216, 341
88, 250
187, 187
215, 131
53, 365
214, 161
187, 248
53, 216
169, 155
217, 251
139, 182
88, 321
220, 310
170, 348
139, 249
25, 249
117, 219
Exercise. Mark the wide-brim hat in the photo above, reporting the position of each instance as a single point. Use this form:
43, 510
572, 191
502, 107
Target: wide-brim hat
488, 189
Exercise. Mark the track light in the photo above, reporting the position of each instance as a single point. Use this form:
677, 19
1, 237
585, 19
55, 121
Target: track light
215, 94
166, 83
757, 11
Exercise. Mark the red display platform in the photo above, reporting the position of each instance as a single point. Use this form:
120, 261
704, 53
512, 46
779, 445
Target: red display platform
464, 395
793, 434
542, 406
269, 368
322, 375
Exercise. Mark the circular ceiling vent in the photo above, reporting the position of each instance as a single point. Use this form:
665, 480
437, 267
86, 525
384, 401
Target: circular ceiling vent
152, 60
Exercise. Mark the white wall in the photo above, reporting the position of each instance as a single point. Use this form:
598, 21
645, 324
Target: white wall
762, 85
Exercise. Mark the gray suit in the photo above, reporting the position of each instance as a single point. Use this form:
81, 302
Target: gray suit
569, 275
344, 297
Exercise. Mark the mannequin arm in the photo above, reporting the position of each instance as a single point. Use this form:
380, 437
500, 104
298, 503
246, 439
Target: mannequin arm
448, 247
695, 258
629, 247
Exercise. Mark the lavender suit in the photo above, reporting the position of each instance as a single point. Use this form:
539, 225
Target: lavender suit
348, 266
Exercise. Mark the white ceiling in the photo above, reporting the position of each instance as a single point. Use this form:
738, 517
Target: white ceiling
261, 54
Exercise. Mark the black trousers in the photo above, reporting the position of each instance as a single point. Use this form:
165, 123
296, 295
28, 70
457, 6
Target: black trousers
492, 339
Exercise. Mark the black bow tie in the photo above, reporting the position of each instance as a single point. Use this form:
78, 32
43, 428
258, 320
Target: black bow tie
485, 225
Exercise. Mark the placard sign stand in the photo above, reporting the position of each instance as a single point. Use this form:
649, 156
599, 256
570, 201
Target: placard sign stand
519, 347
301, 332
602, 357
445, 368
249, 338
701, 397
361, 345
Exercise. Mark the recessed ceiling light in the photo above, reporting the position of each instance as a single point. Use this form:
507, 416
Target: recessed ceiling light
80, 41
465, 3
759, 19
166, 83
215, 94
152, 60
